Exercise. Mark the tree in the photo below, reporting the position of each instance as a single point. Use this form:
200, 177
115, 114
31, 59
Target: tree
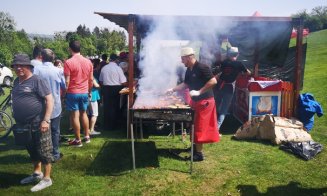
59, 47
320, 14
7, 26
83, 31
11, 41
5, 54
96, 43
96, 32
111, 41
21, 43
315, 20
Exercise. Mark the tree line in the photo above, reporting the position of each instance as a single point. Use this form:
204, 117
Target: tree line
99, 41
315, 20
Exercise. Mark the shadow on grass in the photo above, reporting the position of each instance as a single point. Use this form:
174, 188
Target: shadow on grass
115, 158
292, 188
230, 125
13, 159
9, 179
172, 153
258, 141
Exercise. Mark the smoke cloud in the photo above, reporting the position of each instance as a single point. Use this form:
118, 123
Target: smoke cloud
160, 61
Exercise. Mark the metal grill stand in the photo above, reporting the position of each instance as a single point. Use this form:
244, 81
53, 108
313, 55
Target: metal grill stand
172, 115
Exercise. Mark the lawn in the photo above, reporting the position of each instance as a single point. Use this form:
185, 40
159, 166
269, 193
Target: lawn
104, 167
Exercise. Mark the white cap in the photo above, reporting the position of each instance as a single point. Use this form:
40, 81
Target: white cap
187, 51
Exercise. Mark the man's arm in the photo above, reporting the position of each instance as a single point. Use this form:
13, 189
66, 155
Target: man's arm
248, 72
179, 87
45, 125
67, 80
210, 84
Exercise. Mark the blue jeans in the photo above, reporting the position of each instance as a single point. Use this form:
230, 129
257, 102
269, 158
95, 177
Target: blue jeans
55, 135
221, 119
223, 98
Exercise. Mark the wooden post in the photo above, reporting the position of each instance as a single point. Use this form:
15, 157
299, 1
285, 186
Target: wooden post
256, 54
131, 20
298, 62
130, 59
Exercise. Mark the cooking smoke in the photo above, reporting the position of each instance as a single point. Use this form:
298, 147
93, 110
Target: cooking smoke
160, 61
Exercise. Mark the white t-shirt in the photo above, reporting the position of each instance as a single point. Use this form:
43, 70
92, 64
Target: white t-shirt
111, 74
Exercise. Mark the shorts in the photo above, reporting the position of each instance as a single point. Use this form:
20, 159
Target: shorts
76, 102
93, 109
40, 149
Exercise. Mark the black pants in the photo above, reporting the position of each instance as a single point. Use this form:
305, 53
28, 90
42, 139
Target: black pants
111, 110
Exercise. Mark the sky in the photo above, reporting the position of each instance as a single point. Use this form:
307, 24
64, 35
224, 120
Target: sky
48, 17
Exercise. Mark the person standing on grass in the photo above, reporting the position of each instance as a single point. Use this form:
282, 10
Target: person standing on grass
78, 72
229, 70
93, 109
32, 104
200, 81
54, 76
112, 80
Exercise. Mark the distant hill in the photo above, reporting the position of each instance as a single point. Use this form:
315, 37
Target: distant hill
42, 36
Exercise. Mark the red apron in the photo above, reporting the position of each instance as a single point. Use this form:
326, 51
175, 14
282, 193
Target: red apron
205, 121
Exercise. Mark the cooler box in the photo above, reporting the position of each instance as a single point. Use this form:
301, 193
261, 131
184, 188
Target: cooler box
257, 97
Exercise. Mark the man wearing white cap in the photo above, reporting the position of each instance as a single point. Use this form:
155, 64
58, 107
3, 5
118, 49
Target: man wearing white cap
200, 81
224, 91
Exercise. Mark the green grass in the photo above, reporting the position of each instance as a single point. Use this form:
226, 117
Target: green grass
104, 167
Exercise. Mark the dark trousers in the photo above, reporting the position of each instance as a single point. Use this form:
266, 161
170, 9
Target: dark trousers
111, 110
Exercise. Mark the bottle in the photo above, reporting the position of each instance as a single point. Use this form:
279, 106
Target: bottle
184, 134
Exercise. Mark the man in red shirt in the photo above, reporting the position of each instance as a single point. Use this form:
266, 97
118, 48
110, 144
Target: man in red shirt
78, 72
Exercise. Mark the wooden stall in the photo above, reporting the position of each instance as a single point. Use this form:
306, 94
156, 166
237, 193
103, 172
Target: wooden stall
138, 26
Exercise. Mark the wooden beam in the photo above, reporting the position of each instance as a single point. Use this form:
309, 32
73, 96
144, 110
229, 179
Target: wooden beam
131, 21
298, 63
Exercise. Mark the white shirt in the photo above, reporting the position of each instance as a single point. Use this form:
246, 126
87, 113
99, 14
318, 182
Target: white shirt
112, 75
36, 62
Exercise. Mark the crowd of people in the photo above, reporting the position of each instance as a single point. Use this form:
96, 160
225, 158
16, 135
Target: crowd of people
44, 83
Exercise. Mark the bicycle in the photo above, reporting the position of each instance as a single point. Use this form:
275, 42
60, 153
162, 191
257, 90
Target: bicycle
6, 104
6, 121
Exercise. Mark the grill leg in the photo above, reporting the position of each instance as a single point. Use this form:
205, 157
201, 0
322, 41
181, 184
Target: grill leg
141, 129
174, 129
183, 132
128, 118
192, 149
133, 150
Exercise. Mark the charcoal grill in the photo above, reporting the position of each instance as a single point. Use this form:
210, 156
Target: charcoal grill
169, 114
166, 114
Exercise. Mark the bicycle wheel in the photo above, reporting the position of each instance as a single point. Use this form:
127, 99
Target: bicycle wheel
7, 108
5, 125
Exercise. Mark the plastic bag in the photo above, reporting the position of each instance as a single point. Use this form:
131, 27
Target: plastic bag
306, 150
